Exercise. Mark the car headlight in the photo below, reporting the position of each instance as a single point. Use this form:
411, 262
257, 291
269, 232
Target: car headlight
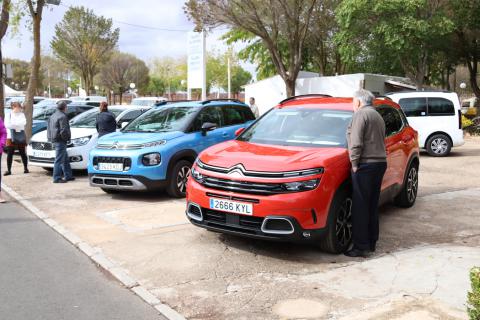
151, 159
197, 176
301, 185
79, 141
154, 144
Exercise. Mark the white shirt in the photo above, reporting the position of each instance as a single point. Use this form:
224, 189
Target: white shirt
15, 121
254, 109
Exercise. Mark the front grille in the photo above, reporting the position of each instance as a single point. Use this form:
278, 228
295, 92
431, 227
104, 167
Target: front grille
41, 160
232, 221
243, 186
47, 146
119, 146
127, 162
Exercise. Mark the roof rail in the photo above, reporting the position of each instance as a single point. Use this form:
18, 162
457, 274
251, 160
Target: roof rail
162, 103
319, 95
213, 100
420, 90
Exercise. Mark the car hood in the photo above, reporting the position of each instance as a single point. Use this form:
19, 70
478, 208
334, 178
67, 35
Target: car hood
138, 137
76, 133
258, 157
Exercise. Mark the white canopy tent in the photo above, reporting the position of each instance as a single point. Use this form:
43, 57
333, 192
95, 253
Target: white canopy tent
9, 92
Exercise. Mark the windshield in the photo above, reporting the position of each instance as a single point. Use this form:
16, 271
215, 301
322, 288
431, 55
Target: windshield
89, 119
144, 102
43, 113
161, 120
305, 127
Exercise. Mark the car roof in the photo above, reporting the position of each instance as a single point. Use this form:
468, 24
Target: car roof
324, 102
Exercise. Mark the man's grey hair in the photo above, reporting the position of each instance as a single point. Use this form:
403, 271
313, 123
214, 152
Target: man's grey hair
61, 105
364, 96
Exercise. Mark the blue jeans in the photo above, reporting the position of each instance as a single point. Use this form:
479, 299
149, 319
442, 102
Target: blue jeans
61, 166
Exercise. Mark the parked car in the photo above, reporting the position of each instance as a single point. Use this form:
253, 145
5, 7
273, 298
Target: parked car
84, 137
287, 177
437, 117
156, 150
147, 101
51, 101
90, 100
470, 107
42, 113
21, 99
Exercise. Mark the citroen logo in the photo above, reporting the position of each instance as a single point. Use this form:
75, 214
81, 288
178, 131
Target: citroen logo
237, 170
114, 145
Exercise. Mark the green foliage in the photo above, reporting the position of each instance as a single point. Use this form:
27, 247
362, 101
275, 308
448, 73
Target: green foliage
466, 122
21, 73
169, 73
474, 295
217, 72
156, 87
84, 41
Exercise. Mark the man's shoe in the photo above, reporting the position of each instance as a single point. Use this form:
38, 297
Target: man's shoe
7, 173
70, 179
26, 171
373, 247
60, 181
354, 253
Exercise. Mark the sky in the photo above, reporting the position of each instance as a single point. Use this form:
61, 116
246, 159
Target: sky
147, 42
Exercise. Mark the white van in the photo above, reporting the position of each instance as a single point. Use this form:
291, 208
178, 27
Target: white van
437, 117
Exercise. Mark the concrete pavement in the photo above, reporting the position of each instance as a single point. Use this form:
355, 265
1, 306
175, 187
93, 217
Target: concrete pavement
420, 270
43, 277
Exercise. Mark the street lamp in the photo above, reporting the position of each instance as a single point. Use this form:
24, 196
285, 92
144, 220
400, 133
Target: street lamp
463, 85
132, 85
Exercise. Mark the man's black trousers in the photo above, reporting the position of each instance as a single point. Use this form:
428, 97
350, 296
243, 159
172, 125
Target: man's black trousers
366, 182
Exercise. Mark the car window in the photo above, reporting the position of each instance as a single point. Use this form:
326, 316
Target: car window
89, 119
72, 112
232, 115
43, 113
209, 114
414, 107
162, 120
247, 113
392, 118
440, 107
129, 116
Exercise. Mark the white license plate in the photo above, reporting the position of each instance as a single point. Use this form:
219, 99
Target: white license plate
231, 206
110, 166
43, 154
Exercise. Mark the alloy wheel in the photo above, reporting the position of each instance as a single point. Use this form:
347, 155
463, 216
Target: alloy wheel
182, 178
439, 146
343, 227
412, 184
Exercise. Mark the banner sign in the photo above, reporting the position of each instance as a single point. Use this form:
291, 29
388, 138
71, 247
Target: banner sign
196, 55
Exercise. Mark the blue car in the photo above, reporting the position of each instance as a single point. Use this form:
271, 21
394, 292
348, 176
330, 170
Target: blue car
157, 150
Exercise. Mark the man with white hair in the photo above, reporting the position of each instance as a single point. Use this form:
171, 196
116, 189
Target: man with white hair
366, 148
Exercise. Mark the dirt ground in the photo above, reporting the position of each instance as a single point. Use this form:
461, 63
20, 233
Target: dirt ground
420, 269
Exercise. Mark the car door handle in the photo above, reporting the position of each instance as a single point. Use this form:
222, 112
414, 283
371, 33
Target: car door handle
225, 134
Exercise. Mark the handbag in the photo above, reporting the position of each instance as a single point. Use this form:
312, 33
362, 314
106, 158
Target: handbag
18, 137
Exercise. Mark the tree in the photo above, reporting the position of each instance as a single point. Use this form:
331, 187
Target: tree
4, 19
84, 42
404, 29
35, 10
156, 86
123, 69
54, 74
21, 73
170, 72
276, 23
217, 72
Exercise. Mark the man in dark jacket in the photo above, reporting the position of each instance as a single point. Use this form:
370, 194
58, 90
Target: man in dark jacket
366, 148
58, 132
106, 122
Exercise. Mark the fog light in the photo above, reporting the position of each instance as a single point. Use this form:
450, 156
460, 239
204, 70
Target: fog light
151, 159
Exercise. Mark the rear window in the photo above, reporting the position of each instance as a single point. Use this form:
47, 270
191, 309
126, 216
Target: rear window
414, 107
440, 106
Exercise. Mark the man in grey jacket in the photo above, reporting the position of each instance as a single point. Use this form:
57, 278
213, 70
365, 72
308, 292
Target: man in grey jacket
366, 148
58, 132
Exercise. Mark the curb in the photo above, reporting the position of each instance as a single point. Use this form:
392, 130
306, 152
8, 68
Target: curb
98, 258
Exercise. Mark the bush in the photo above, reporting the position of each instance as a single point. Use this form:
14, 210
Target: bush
473, 306
466, 122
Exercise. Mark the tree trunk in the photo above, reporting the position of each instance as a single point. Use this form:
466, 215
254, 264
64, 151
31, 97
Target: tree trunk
35, 65
290, 86
120, 92
472, 69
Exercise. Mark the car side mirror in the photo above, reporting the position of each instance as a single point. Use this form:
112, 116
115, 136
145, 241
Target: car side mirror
239, 131
208, 126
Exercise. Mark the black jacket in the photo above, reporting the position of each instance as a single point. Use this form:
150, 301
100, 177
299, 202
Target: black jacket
106, 123
58, 127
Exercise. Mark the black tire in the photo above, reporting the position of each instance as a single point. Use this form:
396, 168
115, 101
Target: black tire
406, 198
177, 184
438, 145
110, 191
339, 228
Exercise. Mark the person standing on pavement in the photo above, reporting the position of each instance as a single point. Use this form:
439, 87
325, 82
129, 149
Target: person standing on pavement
254, 107
3, 139
58, 132
106, 122
15, 123
366, 148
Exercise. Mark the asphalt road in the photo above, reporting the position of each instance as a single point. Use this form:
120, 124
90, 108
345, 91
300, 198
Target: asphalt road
42, 276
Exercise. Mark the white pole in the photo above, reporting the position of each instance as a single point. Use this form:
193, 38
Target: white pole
229, 79
204, 76
49, 87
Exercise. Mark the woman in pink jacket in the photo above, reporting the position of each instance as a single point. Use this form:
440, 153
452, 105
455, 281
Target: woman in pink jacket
3, 139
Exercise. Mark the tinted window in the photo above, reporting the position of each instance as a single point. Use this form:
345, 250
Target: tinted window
232, 115
162, 120
131, 115
414, 107
300, 127
209, 114
392, 118
440, 106
89, 119
247, 113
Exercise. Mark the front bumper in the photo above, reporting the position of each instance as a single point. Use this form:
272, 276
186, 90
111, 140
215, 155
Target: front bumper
252, 227
78, 158
125, 182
